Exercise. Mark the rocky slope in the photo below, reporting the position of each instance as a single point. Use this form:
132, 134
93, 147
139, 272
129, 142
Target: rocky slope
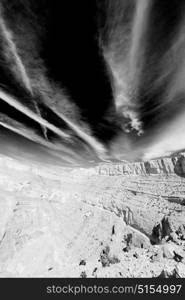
112, 220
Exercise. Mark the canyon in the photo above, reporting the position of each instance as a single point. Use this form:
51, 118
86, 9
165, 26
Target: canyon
109, 220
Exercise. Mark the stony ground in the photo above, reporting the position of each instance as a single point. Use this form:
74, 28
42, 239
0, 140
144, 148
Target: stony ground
76, 223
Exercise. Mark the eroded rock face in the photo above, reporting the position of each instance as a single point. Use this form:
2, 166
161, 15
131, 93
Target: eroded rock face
152, 167
52, 220
179, 167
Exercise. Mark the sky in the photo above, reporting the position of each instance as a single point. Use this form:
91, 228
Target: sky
86, 81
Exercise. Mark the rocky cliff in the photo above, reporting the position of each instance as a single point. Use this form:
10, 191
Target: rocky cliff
163, 166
